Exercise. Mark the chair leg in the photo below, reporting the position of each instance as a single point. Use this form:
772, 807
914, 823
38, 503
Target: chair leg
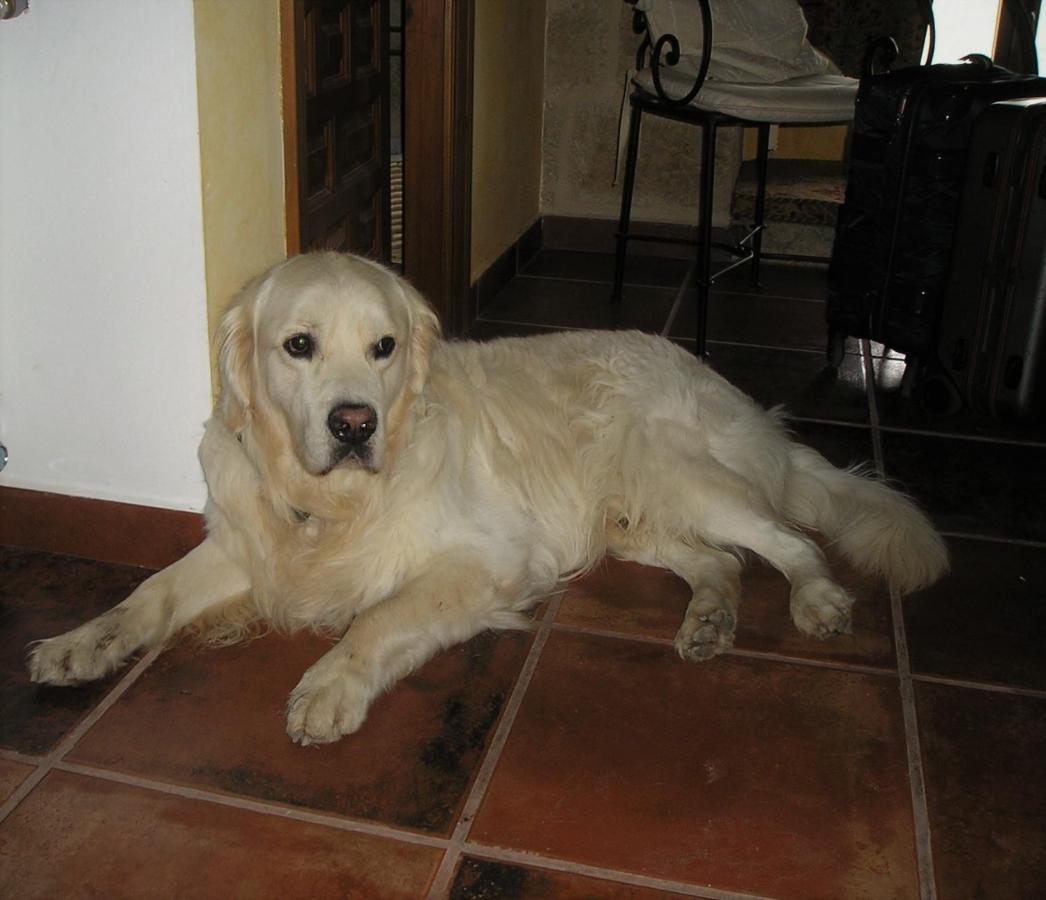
704, 236
760, 201
635, 118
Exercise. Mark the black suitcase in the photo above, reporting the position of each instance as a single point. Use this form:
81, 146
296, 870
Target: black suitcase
992, 326
893, 243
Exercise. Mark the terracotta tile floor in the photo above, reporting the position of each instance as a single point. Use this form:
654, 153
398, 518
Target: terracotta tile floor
582, 758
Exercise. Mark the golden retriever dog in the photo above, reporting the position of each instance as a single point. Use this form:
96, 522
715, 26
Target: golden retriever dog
370, 480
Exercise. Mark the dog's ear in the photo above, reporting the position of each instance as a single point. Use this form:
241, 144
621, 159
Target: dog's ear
234, 343
425, 332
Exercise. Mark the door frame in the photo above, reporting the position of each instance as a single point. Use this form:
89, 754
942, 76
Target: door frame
1015, 37
437, 92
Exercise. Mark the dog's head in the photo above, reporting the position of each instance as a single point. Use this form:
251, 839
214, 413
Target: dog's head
320, 359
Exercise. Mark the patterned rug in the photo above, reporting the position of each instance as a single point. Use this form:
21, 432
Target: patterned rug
803, 192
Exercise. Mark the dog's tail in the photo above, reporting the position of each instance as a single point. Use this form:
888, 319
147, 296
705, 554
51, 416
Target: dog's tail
879, 529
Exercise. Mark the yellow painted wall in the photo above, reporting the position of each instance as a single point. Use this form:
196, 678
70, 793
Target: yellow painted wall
507, 112
241, 144
830, 142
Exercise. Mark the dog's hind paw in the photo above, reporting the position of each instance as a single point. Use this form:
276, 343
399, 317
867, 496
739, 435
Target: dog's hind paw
821, 609
707, 630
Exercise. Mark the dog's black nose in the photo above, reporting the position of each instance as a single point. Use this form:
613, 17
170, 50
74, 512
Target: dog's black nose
352, 423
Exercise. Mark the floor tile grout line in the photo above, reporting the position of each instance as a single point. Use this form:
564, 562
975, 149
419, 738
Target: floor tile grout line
250, 804
971, 438
52, 759
22, 791
677, 300
856, 426
916, 775
722, 292
441, 880
987, 686
574, 279
916, 781
884, 671
513, 323
748, 345
645, 285
909, 712
808, 351
392, 833
994, 539
20, 758
835, 665
483, 320
619, 876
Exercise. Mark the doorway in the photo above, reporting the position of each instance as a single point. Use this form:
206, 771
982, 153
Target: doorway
377, 137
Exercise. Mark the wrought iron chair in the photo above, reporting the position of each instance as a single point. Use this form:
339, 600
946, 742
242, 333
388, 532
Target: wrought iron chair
673, 83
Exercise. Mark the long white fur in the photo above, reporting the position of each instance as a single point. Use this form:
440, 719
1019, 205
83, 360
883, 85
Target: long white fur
499, 469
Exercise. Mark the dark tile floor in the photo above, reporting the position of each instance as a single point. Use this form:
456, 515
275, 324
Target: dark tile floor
583, 758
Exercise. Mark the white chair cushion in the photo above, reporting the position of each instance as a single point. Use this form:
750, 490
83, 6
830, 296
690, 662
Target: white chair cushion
808, 99
755, 41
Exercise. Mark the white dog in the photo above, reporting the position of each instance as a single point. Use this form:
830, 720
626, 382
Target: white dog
370, 480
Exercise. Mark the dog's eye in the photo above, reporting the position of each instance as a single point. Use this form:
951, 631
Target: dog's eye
299, 346
384, 347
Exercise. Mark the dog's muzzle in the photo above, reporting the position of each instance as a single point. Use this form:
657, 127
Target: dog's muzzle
352, 424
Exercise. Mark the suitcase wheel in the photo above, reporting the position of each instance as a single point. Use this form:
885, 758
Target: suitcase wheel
940, 396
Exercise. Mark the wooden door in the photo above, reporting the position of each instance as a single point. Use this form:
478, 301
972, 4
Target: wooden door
338, 127
437, 95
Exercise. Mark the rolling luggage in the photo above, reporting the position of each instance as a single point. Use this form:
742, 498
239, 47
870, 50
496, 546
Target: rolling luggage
993, 326
890, 259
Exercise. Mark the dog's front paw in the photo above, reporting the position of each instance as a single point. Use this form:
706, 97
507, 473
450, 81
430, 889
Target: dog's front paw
84, 654
322, 709
821, 608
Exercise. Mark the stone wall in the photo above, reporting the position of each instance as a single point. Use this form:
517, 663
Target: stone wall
589, 48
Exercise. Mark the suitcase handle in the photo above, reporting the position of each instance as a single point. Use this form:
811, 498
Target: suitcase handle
980, 61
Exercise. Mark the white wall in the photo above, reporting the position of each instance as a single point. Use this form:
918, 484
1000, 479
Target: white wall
104, 379
964, 26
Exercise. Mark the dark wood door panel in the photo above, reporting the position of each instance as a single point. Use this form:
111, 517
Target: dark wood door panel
354, 197
342, 83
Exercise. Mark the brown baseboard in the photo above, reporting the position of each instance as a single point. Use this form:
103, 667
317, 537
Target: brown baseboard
97, 529
503, 269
